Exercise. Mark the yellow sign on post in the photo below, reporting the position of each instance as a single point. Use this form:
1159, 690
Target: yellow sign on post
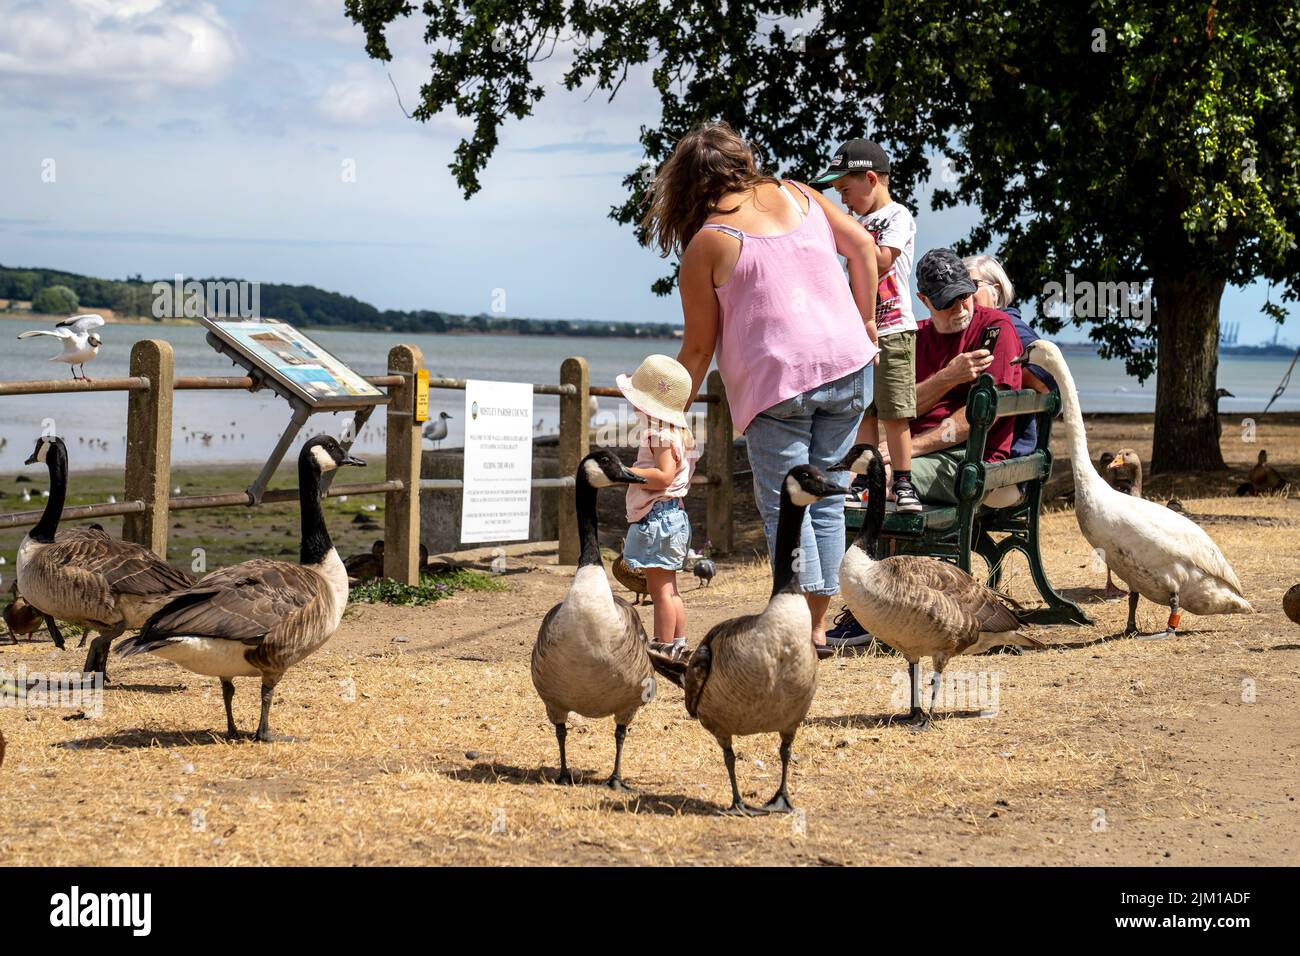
422, 395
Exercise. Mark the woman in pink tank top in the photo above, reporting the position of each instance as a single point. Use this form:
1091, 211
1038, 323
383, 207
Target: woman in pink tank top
763, 290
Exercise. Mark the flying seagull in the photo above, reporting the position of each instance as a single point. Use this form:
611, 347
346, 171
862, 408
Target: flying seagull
80, 342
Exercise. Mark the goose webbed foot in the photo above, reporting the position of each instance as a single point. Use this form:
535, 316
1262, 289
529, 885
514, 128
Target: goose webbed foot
266, 737
738, 808
263, 734
616, 784
615, 781
918, 720
780, 803
565, 776
227, 695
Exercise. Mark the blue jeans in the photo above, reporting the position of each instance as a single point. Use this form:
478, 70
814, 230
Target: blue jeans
817, 428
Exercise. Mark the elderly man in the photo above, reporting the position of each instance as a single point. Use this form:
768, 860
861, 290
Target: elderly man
950, 356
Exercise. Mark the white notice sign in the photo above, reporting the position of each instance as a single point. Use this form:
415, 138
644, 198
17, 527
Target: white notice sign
498, 461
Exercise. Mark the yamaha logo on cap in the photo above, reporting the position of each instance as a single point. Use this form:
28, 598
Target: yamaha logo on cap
857, 155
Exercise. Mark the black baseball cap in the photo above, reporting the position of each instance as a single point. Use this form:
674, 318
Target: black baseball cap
942, 278
855, 156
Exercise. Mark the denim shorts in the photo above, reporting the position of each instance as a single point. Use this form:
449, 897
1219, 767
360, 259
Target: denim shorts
818, 428
660, 539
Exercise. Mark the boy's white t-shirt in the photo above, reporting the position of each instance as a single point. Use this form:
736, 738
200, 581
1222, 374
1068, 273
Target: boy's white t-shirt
893, 226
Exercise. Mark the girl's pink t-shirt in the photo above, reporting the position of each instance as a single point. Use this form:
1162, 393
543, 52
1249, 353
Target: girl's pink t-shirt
641, 499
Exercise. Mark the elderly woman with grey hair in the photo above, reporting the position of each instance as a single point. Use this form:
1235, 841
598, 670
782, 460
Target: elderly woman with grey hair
995, 291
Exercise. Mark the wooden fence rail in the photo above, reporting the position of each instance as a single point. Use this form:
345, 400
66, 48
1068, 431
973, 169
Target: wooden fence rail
152, 383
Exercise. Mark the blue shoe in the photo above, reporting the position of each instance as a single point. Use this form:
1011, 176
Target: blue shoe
847, 632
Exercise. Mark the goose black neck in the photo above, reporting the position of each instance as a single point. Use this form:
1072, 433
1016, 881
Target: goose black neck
584, 499
789, 529
315, 539
56, 460
868, 537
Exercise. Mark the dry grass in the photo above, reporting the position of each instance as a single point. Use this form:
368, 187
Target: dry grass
437, 750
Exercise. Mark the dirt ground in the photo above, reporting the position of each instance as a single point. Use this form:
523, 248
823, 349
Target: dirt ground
436, 750
421, 740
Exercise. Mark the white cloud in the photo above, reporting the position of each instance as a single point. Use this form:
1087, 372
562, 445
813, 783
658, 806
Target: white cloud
139, 46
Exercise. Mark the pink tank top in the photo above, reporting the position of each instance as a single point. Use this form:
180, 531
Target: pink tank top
653, 437
788, 320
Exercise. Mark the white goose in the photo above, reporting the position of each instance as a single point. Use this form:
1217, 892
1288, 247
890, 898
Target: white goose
1158, 553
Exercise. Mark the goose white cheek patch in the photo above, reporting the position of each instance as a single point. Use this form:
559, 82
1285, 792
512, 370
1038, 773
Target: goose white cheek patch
324, 460
596, 477
44, 450
797, 494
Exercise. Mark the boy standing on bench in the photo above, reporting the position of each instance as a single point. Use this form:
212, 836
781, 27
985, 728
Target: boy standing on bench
859, 172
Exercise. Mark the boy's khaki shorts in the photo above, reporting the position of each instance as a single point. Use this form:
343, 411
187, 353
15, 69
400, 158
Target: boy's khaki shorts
895, 378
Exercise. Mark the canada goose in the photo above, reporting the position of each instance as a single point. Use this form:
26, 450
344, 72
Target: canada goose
757, 674
1263, 477
1291, 603
370, 564
1159, 553
631, 579
919, 606
1123, 472
84, 576
1219, 395
80, 343
260, 617
21, 618
592, 654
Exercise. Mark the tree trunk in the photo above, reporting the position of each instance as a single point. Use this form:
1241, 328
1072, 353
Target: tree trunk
1187, 365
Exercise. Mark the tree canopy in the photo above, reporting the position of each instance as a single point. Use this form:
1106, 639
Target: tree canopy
55, 300
1115, 141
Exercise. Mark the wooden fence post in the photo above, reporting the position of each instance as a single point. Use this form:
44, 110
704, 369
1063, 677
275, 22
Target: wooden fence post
149, 446
402, 508
721, 467
574, 444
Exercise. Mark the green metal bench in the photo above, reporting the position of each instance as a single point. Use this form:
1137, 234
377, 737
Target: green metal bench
952, 532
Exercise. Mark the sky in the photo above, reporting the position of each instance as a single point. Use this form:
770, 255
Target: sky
256, 139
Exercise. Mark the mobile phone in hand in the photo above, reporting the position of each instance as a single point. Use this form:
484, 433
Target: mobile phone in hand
990, 337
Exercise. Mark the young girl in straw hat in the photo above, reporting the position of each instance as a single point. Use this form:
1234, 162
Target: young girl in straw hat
659, 532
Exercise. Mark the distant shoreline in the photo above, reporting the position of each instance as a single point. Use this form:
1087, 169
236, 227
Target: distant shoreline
1261, 350
463, 333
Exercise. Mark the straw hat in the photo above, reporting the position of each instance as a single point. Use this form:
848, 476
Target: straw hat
660, 387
